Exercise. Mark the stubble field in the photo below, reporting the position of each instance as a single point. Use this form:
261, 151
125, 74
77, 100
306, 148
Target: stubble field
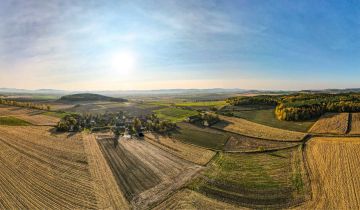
188, 152
145, 173
331, 123
40, 170
334, 169
35, 117
244, 127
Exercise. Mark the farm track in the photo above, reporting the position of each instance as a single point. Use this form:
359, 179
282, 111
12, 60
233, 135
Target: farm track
332, 164
33, 176
187, 199
145, 173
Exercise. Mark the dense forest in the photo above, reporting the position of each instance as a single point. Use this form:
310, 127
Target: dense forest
303, 106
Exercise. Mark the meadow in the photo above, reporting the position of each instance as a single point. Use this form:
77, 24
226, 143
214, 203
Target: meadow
267, 117
204, 137
255, 180
174, 114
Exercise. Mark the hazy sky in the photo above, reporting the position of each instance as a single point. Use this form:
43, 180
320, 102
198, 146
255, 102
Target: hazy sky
87, 45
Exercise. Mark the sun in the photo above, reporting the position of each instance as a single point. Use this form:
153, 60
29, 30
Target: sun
123, 62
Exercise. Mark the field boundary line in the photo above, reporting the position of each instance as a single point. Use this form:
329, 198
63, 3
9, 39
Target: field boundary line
263, 151
349, 125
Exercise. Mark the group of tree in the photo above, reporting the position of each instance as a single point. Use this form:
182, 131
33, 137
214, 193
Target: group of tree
254, 100
303, 106
119, 123
205, 119
25, 104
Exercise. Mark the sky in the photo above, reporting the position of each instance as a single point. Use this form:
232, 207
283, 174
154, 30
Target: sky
167, 44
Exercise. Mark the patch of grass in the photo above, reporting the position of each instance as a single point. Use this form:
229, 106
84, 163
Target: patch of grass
56, 114
204, 137
13, 121
267, 117
253, 180
174, 114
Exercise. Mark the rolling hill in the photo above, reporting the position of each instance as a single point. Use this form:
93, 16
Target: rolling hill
90, 97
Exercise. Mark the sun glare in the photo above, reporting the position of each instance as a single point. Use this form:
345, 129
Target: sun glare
123, 62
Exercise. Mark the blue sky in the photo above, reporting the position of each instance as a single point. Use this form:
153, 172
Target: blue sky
114, 45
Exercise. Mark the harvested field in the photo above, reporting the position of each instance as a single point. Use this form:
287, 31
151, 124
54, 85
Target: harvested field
34, 117
145, 174
355, 123
40, 170
239, 143
334, 169
107, 191
331, 123
247, 128
257, 180
188, 152
188, 199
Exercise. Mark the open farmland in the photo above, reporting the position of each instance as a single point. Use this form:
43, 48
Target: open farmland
40, 170
204, 137
239, 143
174, 114
35, 117
145, 174
12, 121
334, 169
331, 123
355, 123
188, 152
247, 128
257, 180
188, 199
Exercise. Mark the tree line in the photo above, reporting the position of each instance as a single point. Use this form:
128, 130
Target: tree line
25, 104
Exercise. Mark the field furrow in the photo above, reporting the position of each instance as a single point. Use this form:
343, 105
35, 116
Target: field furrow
33, 176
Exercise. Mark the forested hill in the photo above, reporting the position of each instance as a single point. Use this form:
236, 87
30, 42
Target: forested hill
90, 97
303, 106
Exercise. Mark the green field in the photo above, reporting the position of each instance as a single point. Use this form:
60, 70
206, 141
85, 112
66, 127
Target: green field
267, 117
174, 114
12, 121
255, 180
204, 137
202, 104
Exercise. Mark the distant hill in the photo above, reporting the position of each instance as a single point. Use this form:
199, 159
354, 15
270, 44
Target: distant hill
90, 97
